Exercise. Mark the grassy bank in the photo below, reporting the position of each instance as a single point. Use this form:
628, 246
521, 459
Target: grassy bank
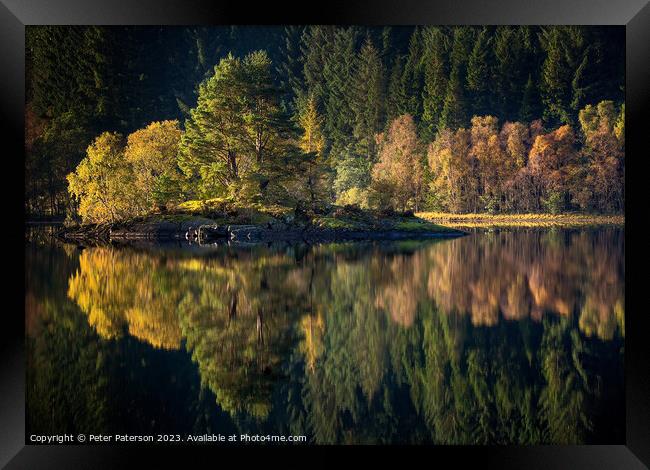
334, 218
520, 220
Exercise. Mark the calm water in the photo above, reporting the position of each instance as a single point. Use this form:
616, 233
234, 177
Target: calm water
501, 337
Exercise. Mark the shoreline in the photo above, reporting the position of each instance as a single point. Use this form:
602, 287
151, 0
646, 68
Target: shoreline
207, 231
424, 225
479, 220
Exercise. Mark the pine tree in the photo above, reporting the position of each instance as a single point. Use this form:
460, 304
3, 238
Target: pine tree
338, 74
479, 74
562, 70
455, 112
529, 109
580, 87
396, 99
236, 130
436, 73
368, 98
413, 77
513, 47
290, 69
314, 49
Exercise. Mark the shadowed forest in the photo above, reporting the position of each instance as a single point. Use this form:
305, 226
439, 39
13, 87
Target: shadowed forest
131, 121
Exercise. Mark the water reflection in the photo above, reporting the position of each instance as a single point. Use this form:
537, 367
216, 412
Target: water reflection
511, 337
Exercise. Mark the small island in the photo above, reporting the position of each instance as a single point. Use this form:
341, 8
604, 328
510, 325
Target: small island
219, 221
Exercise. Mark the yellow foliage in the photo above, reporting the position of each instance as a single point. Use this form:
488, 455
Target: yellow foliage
151, 153
115, 182
313, 329
116, 291
103, 182
312, 138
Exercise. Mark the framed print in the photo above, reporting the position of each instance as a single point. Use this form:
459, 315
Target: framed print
253, 229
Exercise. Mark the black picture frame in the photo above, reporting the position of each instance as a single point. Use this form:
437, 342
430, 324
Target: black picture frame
15, 14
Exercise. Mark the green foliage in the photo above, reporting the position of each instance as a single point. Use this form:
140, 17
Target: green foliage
354, 196
151, 154
455, 109
235, 131
338, 74
368, 99
479, 74
436, 76
352, 171
554, 203
53, 148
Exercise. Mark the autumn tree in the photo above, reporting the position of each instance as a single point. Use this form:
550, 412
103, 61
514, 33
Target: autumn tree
599, 178
487, 153
451, 171
397, 178
151, 153
550, 160
238, 142
515, 143
312, 164
311, 123
102, 182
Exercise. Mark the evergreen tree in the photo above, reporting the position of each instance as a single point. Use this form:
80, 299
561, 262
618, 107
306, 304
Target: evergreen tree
338, 75
396, 98
413, 77
562, 70
368, 98
436, 77
82, 81
529, 109
513, 47
314, 49
479, 74
455, 112
290, 69
235, 130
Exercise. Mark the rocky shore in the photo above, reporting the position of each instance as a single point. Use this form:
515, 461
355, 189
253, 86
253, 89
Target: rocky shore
203, 230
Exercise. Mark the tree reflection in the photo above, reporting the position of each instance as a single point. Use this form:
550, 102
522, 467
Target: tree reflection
237, 316
484, 339
120, 289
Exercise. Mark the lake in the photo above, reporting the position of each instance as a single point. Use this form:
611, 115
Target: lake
511, 336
